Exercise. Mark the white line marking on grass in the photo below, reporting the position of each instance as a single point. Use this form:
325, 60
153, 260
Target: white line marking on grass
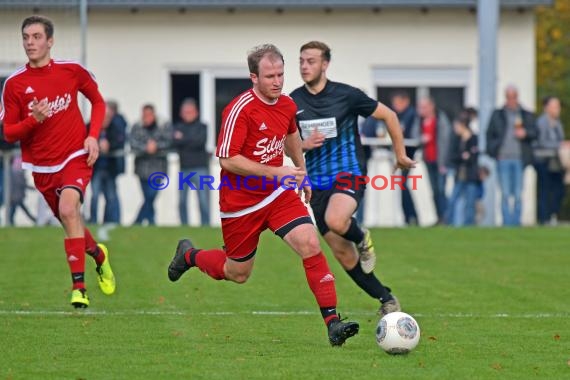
267, 313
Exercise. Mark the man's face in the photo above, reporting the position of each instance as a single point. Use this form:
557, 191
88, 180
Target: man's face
188, 113
511, 99
425, 108
148, 117
35, 42
312, 65
553, 108
400, 103
269, 82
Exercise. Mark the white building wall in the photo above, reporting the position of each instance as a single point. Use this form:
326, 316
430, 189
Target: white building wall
132, 55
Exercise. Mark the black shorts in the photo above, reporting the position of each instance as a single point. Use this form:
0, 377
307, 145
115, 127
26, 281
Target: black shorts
320, 197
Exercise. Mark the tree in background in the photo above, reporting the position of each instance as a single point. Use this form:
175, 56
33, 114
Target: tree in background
553, 65
553, 56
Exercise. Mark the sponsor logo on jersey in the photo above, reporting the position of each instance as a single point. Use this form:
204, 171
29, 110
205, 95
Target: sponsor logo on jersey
60, 103
262, 127
29, 90
326, 126
269, 149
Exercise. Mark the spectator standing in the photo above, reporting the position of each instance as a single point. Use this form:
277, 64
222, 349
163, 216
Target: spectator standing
109, 166
549, 169
401, 104
509, 135
435, 138
189, 139
150, 141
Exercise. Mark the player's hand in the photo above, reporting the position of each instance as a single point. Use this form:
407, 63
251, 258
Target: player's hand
151, 146
92, 147
40, 110
315, 140
404, 163
290, 176
104, 145
520, 133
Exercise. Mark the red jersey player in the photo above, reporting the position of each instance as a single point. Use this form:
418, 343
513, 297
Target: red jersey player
257, 127
40, 110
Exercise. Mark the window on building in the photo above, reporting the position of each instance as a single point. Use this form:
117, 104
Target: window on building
450, 87
226, 90
183, 86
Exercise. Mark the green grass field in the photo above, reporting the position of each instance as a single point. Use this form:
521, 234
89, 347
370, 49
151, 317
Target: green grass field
491, 304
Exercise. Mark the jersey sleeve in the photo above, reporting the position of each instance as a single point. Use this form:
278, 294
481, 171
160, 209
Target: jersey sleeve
361, 103
14, 128
232, 134
89, 88
293, 123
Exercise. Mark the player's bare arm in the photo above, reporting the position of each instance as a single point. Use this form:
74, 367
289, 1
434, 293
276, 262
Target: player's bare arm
241, 165
391, 119
293, 149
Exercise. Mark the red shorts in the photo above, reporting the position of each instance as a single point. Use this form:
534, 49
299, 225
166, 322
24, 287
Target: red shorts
76, 174
241, 234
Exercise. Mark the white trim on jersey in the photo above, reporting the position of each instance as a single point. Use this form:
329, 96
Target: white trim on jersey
258, 206
15, 73
263, 101
65, 62
231, 121
53, 168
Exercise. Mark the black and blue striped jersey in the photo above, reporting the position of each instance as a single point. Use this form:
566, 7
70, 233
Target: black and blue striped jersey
334, 112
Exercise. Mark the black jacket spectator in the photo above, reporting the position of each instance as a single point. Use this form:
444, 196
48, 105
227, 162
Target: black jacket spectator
498, 128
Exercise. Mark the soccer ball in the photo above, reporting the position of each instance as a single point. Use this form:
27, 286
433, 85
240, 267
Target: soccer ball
397, 333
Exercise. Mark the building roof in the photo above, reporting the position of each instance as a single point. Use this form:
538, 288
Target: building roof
213, 4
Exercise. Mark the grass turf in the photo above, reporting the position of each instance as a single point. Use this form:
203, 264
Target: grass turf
491, 303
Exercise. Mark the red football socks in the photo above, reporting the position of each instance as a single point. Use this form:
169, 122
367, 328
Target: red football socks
321, 282
75, 251
209, 261
92, 249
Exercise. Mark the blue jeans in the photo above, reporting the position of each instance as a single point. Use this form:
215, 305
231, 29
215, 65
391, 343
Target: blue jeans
511, 180
410, 215
105, 183
146, 211
203, 193
437, 182
468, 190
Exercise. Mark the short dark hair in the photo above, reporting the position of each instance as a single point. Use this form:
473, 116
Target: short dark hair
400, 94
148, 106
463, 119
46, 22
257, 53
189, 101
324, 48
547, 100
113, 105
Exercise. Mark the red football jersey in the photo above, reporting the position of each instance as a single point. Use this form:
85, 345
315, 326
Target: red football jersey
48, 146
256, 130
